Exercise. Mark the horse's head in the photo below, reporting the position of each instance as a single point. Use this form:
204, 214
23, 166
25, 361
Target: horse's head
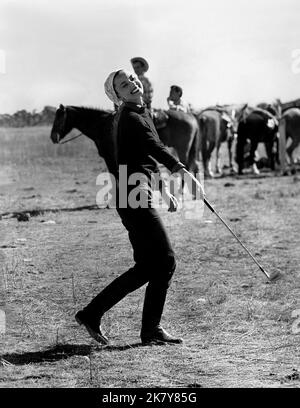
60, 127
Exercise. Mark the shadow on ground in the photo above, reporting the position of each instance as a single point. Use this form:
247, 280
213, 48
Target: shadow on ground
60, 352
36, 213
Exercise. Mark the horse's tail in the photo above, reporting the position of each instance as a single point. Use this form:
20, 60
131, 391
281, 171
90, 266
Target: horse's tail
203, 136
193, 157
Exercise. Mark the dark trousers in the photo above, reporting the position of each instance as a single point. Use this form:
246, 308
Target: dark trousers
154, 264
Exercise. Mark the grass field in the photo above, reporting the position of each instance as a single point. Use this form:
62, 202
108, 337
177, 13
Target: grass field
239, 330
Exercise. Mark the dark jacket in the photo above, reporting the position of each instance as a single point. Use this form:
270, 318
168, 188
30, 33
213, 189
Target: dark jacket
138, 143
139, 148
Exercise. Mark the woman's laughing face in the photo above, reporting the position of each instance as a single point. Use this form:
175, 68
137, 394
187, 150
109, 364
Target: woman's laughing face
128, 87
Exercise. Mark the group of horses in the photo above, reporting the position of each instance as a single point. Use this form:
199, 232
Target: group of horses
194, 136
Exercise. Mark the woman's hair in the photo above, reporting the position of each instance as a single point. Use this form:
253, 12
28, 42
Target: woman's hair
177, 89
116, 74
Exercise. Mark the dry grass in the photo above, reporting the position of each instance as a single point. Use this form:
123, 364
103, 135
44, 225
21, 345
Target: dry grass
237, 327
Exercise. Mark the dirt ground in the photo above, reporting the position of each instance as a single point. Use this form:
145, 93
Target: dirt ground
239, 330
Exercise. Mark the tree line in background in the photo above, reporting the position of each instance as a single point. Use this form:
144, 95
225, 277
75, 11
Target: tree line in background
46, 117
23, 118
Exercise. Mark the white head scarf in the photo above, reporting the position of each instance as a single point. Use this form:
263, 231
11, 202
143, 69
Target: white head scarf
110, 90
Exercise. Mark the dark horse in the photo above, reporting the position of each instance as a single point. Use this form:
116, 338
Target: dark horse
180, 132
93, 123
256, 125
289, 128
216, 127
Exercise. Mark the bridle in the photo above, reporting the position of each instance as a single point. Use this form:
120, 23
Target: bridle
71, 138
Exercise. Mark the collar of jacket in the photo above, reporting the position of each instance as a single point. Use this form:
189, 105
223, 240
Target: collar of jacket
134, 107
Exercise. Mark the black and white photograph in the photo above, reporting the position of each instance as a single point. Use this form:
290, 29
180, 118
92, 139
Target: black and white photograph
149, 197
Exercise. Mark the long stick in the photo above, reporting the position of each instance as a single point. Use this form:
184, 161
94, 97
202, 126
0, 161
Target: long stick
270, 276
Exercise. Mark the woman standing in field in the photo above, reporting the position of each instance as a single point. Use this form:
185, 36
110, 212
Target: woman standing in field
138, 145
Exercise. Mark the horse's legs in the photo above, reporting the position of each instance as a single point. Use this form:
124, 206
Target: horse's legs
193, 168
272, 151
229, 147
218, 169
253, 148
277, 155
204, 154
241, 140
275, 152
184, 160
211, 146
270, 156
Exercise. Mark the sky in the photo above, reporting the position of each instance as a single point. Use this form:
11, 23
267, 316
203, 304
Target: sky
218, 51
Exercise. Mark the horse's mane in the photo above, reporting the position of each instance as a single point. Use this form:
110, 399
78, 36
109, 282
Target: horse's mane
92, 109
